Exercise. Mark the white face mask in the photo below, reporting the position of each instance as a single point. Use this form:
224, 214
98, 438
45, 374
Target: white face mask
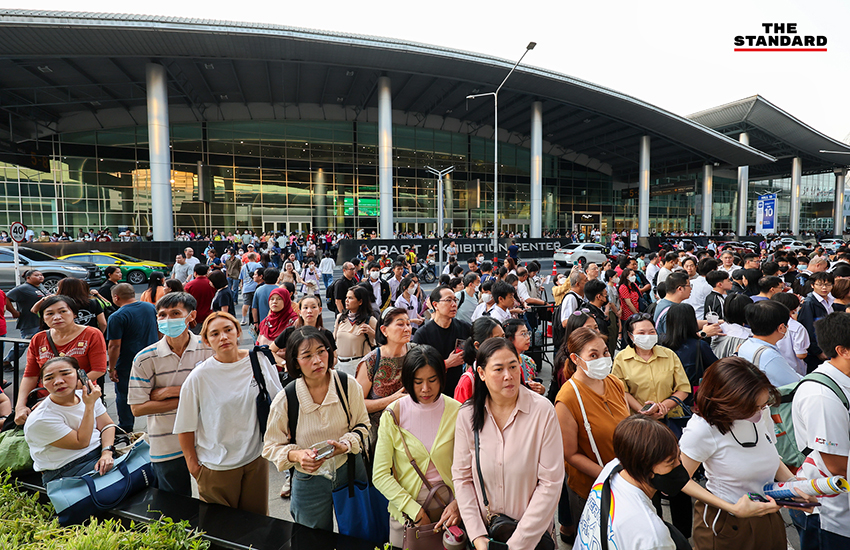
374, 275
615, 280
413, 288
632, 278
598, 369
645, 341
485, 298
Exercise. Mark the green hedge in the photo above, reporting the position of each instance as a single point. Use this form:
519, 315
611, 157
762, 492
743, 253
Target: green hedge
27, 524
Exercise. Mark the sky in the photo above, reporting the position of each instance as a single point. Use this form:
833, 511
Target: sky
673, 54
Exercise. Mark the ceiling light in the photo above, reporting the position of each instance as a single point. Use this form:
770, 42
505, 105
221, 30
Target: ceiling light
586, 120
209, 66
45, 69
349, 73
340, 99
223, 96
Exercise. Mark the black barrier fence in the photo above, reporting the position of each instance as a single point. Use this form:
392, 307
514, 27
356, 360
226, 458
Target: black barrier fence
165, 252
466, 248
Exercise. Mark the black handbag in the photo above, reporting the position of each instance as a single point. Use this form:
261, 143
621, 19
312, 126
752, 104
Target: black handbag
677, 424
500, 527
264, 400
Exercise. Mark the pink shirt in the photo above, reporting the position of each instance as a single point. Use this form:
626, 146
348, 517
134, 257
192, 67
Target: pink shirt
423, 422
522, 466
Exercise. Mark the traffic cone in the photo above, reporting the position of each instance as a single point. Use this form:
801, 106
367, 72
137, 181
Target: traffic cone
554, 269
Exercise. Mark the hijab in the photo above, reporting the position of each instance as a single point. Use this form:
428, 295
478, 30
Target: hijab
277, 321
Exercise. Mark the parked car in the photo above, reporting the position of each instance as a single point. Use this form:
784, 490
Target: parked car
739, 247
796, 245
831, 244
53, 269
133, 270
581, 254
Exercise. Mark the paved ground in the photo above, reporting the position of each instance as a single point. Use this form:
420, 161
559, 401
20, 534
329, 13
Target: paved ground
279, 507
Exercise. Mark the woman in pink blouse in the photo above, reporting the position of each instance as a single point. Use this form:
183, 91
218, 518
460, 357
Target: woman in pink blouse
519, 439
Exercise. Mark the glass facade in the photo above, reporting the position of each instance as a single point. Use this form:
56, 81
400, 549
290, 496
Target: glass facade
291, 176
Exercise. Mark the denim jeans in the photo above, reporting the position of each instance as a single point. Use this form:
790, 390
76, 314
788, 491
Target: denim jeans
173, 476
812, 537
233, 287
312, 502
76, 467
126, 420
327, 279
26, 334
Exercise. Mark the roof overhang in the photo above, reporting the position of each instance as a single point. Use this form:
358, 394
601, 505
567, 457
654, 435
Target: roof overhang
82, 71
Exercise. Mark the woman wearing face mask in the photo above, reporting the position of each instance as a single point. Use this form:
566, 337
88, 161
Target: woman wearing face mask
281, 315
423, 424
408, 301
732, 435
577, 320
592, 397
647, 462
613, 296
653, 376
517, 458
629, 294
379, 372
483, 329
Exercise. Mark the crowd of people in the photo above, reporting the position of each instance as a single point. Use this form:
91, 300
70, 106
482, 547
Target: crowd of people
664, 368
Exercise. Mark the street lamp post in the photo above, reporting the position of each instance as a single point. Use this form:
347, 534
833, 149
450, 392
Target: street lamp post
495, 95
440, 223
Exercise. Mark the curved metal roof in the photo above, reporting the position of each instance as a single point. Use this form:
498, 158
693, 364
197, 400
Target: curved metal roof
75, 71
777, 133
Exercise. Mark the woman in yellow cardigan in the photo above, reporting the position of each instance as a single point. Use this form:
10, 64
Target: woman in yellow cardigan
421, 426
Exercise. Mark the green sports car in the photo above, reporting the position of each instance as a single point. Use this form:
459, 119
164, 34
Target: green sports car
133, 270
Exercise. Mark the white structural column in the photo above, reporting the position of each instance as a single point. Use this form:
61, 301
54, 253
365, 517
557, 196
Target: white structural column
838, 208
450, 202
320, 222
162, 210
536, 170
707, 197
643, 188
385, 157
550, 210
743, 190
796, 180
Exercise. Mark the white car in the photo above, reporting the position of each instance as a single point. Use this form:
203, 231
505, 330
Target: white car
581, 254
831, 244
795, 245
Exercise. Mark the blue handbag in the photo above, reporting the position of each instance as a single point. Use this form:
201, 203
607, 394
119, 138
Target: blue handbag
76, 499
361, 510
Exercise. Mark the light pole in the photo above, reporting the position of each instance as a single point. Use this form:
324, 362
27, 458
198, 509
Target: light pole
440, 222
495, 95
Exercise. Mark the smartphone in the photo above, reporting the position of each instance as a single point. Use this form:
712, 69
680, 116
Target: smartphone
496, 545
647, 407
459, 343
797, 505
84, 380
538, 380
323, 450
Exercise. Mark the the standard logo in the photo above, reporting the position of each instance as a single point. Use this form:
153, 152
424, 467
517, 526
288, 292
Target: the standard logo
780, 37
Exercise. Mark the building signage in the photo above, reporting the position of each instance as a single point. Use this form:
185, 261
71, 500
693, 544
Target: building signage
766, 214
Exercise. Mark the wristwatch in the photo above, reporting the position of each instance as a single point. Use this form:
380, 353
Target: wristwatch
701, 334
110, 448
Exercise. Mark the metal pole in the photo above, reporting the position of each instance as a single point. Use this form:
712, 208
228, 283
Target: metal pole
743, 190
440, 222
385, 157
838, 213
496, 174
162, 208
536, 170
707, 196
796, 179
17, 264
643, 188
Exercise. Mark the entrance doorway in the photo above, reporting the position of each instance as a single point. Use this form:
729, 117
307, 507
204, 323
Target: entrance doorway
286, 225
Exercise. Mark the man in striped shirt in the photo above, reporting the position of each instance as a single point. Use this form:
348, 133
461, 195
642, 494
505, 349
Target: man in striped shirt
157, 374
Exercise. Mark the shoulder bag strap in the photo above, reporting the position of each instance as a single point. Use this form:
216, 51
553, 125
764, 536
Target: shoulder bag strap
292, 409
52, 344
587, 424
480, 475
412, 460
758, 354
377, 364
605, 507
261, 384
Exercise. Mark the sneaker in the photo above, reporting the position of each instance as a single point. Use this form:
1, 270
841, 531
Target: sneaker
244, 323
286, 490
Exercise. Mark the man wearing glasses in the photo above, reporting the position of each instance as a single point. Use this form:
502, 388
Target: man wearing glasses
342, 286
442, 332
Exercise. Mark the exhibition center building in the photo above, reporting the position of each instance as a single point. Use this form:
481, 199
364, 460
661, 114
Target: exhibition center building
164, 123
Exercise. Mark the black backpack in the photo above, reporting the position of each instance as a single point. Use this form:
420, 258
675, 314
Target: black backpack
330, 298
558, 330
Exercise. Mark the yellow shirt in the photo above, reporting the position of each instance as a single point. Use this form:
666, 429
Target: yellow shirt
653, 380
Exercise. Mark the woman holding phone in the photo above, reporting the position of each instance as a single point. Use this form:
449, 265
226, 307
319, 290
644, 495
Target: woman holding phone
64, 431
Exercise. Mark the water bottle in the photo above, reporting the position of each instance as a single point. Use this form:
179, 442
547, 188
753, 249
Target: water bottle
454, 538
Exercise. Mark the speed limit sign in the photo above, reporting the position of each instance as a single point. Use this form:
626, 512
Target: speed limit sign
18, 232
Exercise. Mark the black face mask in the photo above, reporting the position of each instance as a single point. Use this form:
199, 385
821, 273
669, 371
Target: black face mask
783, 268
672, 482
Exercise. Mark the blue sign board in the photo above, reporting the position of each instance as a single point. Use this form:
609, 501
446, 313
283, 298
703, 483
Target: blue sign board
766, 214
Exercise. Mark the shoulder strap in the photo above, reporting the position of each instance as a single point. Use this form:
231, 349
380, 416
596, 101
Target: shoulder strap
292, 408
758, 354
377, 364
826, 380
480, 475
605, 507
261, 384
413, 460
660, 315
52, 344
587, 424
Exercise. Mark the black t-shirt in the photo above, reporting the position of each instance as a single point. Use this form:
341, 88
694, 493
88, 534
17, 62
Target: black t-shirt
224, 297
25, 296
87, 315
105, 290
444, 339
341, 288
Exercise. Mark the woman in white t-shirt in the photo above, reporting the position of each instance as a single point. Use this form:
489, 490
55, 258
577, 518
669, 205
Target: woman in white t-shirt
408, 301
64, 431
647, 462
732, 435
217, 423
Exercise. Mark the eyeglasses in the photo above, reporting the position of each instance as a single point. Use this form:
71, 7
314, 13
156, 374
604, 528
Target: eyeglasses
449, 300
582, 311
822, 284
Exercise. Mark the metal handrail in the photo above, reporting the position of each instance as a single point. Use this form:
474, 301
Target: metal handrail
16, 343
